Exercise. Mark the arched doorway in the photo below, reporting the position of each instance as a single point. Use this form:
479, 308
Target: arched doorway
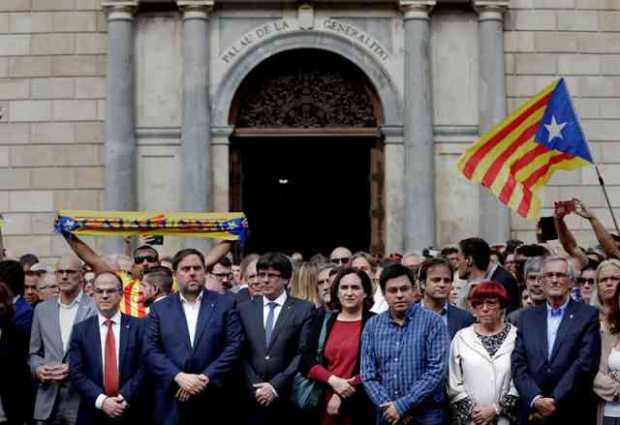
306, 155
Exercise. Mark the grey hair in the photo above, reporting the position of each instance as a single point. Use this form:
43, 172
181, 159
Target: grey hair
596, 300
533, 265
572, 274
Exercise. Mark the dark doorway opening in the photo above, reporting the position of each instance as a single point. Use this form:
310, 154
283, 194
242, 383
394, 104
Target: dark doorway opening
305, 195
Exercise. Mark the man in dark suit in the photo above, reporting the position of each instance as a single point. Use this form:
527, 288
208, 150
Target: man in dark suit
557, 353
475, 266
435, 278
105, 359
192, 341
12, 273
277, 328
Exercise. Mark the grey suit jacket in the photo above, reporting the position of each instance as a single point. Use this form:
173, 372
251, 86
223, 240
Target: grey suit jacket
46, 347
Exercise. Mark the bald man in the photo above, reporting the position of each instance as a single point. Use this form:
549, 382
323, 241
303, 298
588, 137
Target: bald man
56, 401
340, 256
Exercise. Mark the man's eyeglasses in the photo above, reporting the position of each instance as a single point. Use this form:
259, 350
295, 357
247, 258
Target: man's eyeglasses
270, 276
147, 258
99, 291
557, 275
583, 281
341, 260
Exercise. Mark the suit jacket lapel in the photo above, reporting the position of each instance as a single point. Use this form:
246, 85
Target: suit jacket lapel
125, 330
565, 325
207, 305
544, 344
285, 314
95, 342
55, 324
179, 307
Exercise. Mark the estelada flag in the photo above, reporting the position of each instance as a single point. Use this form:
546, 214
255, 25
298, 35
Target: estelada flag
516, 158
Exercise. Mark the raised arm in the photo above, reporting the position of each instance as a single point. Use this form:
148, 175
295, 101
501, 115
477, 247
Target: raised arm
87, 254
569, 243
218, 251
602, 234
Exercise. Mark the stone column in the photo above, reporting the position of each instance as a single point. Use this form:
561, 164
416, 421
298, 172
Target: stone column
120, 141
196, 136
494, 217
419, 175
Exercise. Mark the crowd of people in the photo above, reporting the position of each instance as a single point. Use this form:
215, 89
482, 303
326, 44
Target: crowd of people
473, 333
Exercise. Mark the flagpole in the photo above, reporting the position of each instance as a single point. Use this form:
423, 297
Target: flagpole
602, 183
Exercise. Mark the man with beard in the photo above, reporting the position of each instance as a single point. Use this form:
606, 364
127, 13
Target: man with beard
157, 284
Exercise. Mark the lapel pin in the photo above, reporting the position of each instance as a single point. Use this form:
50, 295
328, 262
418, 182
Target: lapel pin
570, 317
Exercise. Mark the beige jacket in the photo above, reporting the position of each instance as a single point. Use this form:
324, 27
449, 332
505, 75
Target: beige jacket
604, 386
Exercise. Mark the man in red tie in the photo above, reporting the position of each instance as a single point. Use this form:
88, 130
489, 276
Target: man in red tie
105, 359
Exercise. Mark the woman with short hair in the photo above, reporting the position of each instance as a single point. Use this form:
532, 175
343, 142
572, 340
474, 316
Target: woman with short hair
480, 386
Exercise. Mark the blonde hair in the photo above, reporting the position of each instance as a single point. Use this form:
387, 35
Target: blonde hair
596, 300
304, 283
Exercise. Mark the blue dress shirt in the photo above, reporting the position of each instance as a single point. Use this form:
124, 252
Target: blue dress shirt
554, 318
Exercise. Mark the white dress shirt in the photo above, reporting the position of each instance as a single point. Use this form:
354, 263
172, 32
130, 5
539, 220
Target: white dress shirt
67, 313
191, 310
103, 333
277, 309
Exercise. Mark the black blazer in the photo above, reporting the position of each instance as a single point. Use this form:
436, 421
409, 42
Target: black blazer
87, 368
509, 282
358, 406
458, 319
278, 363
567, 376
15, 379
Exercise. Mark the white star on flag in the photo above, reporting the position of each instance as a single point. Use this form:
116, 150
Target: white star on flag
554, 129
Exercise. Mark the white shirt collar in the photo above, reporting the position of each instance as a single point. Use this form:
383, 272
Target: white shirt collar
116, 319
73, 303
186, 301
279, 301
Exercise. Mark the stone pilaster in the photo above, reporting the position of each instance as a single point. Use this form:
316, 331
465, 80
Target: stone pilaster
494, 217
196, 137
419, 172
120, 141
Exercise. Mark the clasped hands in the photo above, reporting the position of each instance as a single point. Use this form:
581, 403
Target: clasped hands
265, 394
54, 373
545, 406
114, 407
190, 384
483, 415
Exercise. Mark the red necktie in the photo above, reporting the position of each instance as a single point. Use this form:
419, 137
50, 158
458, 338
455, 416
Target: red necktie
110, 374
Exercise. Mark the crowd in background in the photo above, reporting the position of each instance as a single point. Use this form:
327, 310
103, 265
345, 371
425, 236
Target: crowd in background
470, 333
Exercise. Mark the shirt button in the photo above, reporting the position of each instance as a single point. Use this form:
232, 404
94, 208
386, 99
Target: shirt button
267, 357
395, 360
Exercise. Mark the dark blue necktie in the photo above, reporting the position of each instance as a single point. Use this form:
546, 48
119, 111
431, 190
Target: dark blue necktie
556, 312
269, 324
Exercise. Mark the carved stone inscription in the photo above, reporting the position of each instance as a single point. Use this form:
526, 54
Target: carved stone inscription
253, 36
354, 33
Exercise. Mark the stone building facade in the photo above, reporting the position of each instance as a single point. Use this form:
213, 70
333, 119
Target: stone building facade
148, 105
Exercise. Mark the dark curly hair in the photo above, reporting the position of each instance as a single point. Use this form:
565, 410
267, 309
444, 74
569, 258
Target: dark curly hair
334, 304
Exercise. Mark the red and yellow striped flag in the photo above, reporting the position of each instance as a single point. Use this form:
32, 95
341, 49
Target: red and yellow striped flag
516, 158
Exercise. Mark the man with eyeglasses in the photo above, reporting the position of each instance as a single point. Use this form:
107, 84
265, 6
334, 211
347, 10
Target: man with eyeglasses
340, 256
277, 329
220, 276
47, 286
106, 360
250, 286
557, 352
144, 257
534, 286
57, 401
586, 283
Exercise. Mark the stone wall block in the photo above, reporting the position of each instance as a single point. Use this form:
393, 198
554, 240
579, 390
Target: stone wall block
14, 44
15, 5
91, 43
597, 4
32, 156
52, 178
53, 88
76, 199
566, 178
598, 43
88, 177
518, 41
90, 88
599, 86
14, 178
553, 4
4, 23
535, 64
609, 108
53, 44
34, 22
4, 67
4, 201
74, 21
20, 245
571, 20
76, 66
52, 132
77, 155
4, 156
609, 21
555, 42
587, 108
17, 224
31, 201
30, 110
578, 64
11, 133
610, 64
42, 223
531, 20
30, 66
602, 130
74, 110
89, 132
14, 89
